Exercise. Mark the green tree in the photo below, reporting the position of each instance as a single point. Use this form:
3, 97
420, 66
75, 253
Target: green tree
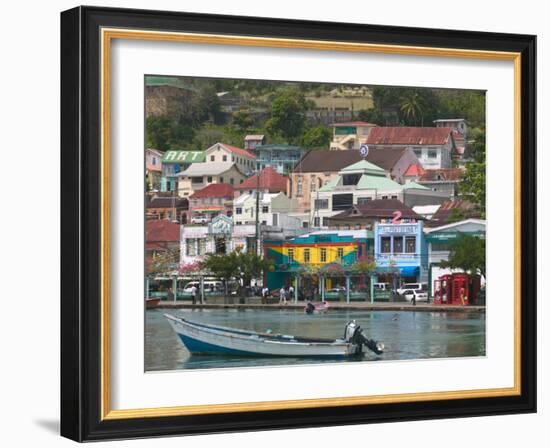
158, 132
223, 266
467, 253
473, 182
288, 116
243, 120
411, 106
317, 137
372, 115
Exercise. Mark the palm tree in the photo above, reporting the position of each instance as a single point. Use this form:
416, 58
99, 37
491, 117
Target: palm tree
411, 106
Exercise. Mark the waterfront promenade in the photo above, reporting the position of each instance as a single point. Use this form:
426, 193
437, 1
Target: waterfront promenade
255, 303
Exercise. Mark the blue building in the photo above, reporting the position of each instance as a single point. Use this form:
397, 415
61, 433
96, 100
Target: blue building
282, 158
400, 252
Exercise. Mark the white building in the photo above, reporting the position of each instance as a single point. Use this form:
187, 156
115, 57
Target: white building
243, 159
200, 175
433, 146
274, 209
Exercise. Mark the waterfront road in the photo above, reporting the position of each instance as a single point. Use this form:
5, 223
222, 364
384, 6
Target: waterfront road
253, 303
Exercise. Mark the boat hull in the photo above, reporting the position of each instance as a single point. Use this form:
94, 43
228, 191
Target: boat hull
212, 340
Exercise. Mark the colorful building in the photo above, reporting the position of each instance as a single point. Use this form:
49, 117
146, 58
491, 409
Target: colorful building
319, 261
211, 201
400, 252
281, 157
153, 169
350, 134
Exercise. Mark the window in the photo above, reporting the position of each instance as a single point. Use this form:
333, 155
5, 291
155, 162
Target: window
342, 201
340, 253
265, 208
221, 179
439, 247
323, 255
305, 224
316, 221
238, 223
362, 201
224, 158
299, 187
212, 158
418, 153
154, 160
209, 179
306, 256
385, 197
398, 245
290, 255
385, 244
312, 185
196, 180
238, 211
202, 246
264, 223
231, 181
321, 204
432, 154
410, 244
190, 247
394, 196
351, 179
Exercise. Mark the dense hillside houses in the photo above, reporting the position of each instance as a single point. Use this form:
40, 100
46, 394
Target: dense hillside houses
209, 202
443, 180
434, 147
365, 215
170, 207
281, 157
200, 175
350, 134
273, 210
267, 181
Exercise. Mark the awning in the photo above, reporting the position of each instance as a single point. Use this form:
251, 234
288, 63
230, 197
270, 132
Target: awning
404, 271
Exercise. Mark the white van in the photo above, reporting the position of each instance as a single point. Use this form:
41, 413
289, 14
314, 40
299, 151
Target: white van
209, 285
382, 286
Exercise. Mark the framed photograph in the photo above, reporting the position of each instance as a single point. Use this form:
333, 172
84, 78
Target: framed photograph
274, 223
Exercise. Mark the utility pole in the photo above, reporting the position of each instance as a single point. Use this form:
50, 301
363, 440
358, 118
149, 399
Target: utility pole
258, 252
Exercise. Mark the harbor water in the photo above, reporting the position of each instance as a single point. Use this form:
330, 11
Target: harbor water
407, 335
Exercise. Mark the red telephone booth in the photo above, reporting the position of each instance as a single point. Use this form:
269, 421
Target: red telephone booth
443, 290
460, 289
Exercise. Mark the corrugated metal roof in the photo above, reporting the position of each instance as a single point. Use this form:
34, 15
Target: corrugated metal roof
408, 136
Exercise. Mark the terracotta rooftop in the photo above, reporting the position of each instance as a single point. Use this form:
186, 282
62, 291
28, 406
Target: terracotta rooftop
166, 202
240, 151
354, 123
443, 174
414, 170
214, 191
162, 230
269, 180
378, 209
408, 136
445, 212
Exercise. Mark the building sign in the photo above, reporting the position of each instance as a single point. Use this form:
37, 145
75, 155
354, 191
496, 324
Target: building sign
443, 237
221, 225
397, 229
183, 157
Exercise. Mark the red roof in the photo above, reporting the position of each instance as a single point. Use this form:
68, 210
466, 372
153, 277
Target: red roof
408, 136
269, 180
214, 191
240, 151
414, 170
354, 123
442, 174
162, 231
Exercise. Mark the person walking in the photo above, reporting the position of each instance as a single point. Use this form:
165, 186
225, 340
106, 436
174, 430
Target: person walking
291, 293
265, 292
194, 294
282, 295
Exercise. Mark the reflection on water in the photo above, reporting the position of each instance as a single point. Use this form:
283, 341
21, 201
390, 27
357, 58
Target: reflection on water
406, 335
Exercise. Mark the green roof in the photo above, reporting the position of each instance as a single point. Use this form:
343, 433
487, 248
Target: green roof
151, 81
377, 182
414, 185
183, 157
329, 185
366, 167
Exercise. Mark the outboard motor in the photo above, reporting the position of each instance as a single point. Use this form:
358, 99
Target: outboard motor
353, 333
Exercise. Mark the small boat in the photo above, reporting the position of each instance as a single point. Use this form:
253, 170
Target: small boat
316, 308
152, 302
207, 339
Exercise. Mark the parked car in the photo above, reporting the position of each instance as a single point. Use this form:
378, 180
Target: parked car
418, 294
416, 286
199, 220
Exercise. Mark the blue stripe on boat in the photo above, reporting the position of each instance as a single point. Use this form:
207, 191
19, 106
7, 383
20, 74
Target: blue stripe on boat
196, 346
